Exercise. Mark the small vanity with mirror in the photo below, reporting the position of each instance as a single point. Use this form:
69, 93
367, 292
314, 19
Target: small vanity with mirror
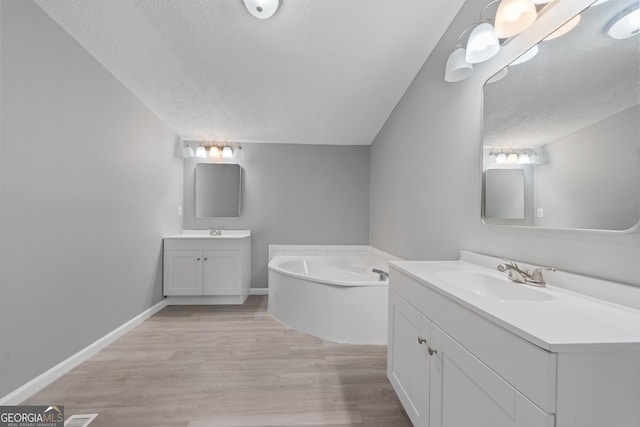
210, 266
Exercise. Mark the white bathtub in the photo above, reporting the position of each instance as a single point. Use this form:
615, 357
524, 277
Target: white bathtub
336, 298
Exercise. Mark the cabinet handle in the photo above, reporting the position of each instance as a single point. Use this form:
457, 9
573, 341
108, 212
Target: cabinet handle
432, 351
421, 340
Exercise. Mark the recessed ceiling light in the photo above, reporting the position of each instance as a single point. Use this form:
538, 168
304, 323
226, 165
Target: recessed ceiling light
625, 24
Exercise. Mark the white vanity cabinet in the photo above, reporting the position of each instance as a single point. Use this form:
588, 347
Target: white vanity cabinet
207, 270
440, 383
451, 366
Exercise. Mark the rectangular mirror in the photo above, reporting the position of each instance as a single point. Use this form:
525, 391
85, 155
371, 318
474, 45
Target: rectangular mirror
218, 190
567, 113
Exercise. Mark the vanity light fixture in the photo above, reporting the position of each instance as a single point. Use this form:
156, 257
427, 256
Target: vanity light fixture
568, 26
625, 24
205, 150
514, 156
262, 9
514, 16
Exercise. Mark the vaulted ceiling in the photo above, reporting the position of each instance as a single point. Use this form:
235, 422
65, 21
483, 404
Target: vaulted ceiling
317, 72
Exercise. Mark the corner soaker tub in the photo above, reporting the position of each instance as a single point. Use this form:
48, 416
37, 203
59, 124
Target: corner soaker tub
336, 298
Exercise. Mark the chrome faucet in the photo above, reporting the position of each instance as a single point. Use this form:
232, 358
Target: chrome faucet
519, 275
214, 232
383, 275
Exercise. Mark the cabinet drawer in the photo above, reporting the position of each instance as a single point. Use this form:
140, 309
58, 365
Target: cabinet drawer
530, 369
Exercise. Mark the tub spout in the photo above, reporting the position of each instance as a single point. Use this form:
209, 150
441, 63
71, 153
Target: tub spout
383, 275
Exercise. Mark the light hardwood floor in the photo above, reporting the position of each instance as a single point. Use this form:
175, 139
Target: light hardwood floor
197, 366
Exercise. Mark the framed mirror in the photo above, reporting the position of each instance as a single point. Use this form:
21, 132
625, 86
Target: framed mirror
566, 114
218, 190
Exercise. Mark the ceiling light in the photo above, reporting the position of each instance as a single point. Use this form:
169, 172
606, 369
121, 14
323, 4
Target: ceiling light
568, 26
499, 75
483, 43
457, 67
262, 9
625, 24
526, 56
514, 16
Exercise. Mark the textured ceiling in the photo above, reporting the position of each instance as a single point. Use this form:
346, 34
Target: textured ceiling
575, 80
317, 72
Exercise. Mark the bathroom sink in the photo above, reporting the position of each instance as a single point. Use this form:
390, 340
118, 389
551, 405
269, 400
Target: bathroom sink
490, 286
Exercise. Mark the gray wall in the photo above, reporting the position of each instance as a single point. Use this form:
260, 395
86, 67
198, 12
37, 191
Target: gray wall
592, 177
426, 174
294, 194
89, 183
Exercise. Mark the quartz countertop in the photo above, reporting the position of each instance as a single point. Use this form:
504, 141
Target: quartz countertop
204, 234
557, 319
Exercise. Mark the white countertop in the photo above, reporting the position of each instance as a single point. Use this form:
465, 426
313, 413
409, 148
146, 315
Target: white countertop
204, 234
559, 321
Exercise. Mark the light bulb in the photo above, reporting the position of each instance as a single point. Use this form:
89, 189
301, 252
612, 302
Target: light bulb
535, 159
227, 152
501, 158
514, 16
201, 152
457, 67
188, 151
214, 152
483, 44
512, 158
524, 159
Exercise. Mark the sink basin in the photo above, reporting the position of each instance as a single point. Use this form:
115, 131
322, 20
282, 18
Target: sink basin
489, 286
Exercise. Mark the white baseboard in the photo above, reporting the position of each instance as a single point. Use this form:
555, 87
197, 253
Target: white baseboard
29, 389
259, 291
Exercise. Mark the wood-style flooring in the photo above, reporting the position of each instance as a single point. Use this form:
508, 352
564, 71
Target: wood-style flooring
197, 366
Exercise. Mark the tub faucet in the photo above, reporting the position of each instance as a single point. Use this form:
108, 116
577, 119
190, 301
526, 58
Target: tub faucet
214, 232
519, 275
383, 275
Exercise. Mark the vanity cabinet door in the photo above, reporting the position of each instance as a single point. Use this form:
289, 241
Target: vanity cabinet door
183, 272
466, 392
407, 358
221, 273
